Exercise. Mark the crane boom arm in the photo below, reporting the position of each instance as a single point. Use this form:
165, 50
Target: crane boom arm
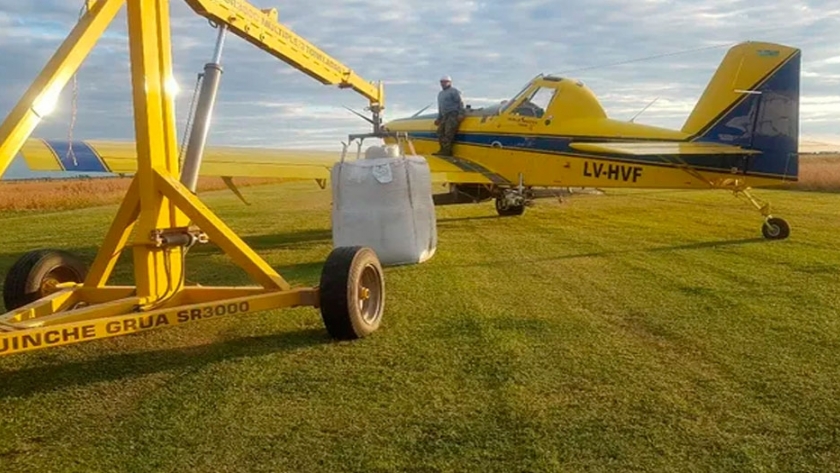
261, 28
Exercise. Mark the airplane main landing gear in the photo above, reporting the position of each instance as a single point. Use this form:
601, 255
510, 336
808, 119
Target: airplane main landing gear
510, 203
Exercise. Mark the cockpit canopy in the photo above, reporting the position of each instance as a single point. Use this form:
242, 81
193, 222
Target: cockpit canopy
550, 97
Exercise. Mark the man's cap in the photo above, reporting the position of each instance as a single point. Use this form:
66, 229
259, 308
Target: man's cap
446, 79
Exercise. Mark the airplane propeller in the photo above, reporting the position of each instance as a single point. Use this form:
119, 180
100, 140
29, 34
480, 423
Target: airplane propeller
373, 121
417, 114
363, 117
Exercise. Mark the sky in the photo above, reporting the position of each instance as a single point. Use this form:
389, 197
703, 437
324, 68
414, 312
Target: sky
628, 52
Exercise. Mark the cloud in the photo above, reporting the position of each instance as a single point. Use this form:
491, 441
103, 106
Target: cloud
491, 48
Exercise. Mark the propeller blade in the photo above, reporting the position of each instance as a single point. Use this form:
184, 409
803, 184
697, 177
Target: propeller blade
421, 111
360, 115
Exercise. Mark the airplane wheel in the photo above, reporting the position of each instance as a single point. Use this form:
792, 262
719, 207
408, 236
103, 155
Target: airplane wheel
510, 211
775, 229
37, 273
352, 293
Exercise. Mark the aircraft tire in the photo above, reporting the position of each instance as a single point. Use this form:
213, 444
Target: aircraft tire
775, 229
509, 211
35, 275
352, 293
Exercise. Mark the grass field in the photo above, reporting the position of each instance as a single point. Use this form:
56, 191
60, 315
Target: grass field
633, 331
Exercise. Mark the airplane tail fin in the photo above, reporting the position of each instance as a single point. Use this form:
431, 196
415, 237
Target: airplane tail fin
752, 101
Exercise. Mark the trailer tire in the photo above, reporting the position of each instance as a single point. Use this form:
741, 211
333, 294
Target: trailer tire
352, 293
35, 274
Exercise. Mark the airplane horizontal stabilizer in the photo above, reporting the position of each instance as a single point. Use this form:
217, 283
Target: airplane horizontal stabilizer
663, 148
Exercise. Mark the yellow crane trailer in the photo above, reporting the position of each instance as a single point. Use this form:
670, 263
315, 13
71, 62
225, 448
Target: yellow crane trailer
55, 299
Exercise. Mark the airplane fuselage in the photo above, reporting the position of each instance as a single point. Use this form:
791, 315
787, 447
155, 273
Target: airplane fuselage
555, 133
503, 148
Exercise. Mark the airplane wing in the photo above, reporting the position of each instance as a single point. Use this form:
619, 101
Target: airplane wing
663, 148
221, 161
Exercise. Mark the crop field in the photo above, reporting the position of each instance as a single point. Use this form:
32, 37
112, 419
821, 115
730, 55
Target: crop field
630, 331
820, 172
66, 194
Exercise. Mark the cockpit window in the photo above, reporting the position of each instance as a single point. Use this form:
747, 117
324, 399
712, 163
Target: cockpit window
516, 98
536, 104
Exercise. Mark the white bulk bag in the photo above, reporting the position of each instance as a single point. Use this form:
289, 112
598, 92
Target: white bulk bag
385, 203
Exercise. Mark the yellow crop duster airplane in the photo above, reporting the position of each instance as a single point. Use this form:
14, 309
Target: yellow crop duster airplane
742, 134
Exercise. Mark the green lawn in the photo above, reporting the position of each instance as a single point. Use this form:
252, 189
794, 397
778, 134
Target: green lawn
635, 331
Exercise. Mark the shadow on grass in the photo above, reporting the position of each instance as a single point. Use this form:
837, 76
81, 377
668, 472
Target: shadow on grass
297, 240
601, 254
307, 237
28, 381
467, 219
707, 244
690, 246
291, 240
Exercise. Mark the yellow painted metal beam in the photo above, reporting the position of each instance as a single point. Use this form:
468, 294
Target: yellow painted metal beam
96, 327
260, 28
115, 239
202, 294
105, 309
43, 94
221, 234
156, 271
50, 304
99, 295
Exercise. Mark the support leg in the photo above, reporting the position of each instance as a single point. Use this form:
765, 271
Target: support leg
116, 239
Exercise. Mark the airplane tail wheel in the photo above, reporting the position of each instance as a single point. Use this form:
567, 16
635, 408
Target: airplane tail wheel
775, 229
352, 293
510, 210
37, 273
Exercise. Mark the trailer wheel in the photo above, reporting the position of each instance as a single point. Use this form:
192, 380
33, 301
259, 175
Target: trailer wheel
36, 274
352, 293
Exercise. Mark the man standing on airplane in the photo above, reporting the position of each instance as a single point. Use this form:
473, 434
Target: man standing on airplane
451, 112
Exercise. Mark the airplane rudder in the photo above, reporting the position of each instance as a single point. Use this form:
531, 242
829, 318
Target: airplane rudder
745, 69
753, 102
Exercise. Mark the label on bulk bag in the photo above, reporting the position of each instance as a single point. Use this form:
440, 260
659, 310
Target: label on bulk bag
382, 173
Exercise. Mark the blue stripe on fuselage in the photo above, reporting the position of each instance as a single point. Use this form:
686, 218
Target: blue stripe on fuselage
86, 158
562, 145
